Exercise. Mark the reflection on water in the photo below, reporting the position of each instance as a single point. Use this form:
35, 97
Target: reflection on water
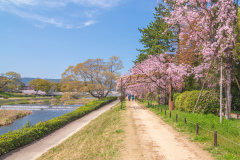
35, 117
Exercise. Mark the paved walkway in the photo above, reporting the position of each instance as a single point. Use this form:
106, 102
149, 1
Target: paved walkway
37, 148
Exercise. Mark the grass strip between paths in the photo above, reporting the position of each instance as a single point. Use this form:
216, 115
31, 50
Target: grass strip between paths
101, 139
208, 123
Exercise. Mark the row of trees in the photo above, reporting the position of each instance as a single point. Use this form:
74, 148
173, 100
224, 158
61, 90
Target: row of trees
205, 36
94, 76
11, 81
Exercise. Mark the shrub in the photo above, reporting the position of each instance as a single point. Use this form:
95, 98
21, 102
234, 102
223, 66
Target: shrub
175, 95
208, 103
12, 140
5, 97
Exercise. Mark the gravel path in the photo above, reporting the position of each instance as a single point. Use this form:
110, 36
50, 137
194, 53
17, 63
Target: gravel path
37, 148
148, 137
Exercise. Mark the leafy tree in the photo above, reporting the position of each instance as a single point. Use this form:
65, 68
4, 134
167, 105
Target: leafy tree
156, 38
3, 83
97, 76
72, 86
41, 84
13, 80
55, 87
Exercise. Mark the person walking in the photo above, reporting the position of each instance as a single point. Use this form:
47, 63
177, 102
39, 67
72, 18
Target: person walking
132, 97
129, 97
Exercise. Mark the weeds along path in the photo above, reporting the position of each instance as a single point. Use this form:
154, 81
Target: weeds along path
148, 137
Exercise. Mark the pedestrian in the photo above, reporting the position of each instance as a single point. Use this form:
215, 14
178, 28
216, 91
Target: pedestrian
132, 97
129, 97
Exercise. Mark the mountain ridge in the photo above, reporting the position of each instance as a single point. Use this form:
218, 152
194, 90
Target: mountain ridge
25, 80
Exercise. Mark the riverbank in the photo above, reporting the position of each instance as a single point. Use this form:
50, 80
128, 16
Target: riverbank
8, 116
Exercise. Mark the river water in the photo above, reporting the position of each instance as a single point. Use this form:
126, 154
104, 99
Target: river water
40, 113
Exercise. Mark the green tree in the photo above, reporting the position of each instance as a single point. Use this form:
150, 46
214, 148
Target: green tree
156, 38
3, 83
13, 80
41, 84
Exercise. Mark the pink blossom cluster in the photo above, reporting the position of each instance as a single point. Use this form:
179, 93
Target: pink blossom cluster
31, 92
211, 25
154, 75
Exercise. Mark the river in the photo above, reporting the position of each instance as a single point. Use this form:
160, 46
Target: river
40, 113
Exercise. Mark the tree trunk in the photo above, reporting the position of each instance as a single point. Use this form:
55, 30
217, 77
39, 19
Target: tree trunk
221, 89
228, 87
170, 92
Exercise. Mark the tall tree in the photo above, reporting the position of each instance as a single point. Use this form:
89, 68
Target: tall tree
214, 34
156, 38
97, 76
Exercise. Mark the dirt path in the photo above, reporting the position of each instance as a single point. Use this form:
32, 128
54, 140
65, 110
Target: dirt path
148, 137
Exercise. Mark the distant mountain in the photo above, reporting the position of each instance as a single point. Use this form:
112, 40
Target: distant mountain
28, 79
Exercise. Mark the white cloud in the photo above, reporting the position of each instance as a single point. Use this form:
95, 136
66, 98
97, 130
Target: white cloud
99, 3
58, 12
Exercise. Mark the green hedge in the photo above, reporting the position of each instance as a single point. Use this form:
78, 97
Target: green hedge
209, 102
12, 140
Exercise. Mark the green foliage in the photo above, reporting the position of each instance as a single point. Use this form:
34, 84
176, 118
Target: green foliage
27, 125
191, 83
208, 103
236, 97
10, 94
156, 38
5, 97
12, 140
175, 95
57, 97
41, 84
24, 102
149, 96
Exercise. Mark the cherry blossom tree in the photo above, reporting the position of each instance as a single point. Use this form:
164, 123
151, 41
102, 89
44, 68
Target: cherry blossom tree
154, 75
28, 92
213, 33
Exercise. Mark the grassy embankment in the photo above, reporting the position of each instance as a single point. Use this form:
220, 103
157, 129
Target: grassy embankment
208, 123
100, 139
8, 116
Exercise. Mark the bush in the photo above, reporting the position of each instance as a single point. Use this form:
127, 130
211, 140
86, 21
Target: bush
5, 97
208, 103
175, 95
12, 140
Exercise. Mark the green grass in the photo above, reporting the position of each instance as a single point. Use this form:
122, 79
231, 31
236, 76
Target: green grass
208, 123
9, 94
101, 139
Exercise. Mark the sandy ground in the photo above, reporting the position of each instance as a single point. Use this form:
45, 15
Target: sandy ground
234, 115
148, 137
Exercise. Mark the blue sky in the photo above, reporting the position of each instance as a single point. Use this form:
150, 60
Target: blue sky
41, 38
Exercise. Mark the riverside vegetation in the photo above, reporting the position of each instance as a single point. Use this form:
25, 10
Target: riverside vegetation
18, 138
208, 123
8, 116
101, 139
